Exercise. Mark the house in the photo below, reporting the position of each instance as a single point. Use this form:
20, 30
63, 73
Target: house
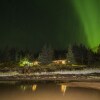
63, 62
36, 63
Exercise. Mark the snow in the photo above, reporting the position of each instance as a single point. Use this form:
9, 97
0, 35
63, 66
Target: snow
8, 74
89, 71
76, 72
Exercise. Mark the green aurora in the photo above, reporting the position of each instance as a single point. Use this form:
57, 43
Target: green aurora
33, 23
89, 13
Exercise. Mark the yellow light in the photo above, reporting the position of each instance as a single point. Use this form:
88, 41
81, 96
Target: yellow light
63, 88
63, 62
34, 87
35, 63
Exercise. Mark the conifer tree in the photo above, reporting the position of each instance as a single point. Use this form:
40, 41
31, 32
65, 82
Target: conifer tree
98, 49
90, 57
70, 55
46, 55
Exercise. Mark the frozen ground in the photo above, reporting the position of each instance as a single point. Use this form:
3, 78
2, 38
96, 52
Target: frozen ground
76, 72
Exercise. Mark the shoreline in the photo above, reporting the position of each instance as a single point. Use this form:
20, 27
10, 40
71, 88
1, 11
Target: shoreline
62, 78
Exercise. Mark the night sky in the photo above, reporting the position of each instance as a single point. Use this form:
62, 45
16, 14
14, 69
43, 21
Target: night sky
33, 23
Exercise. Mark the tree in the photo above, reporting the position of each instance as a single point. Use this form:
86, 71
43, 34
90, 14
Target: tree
90, 57
98, 49
70, 55
46, 55
80, 54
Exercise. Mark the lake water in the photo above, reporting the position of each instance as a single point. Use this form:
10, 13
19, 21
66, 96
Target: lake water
46, 91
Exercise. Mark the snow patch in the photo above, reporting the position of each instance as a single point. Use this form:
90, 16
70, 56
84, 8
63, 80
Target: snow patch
90, 71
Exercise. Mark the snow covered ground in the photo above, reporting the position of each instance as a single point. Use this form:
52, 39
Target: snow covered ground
76, 72
89, 71
8, 74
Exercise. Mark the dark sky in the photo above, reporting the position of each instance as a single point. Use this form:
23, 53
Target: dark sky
33, 23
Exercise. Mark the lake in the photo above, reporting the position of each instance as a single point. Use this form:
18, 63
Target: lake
48, 91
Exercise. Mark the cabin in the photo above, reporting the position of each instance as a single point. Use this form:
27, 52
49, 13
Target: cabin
36, 63
62, 62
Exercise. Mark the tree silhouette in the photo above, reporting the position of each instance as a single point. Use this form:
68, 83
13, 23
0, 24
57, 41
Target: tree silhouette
70, 55
46, 55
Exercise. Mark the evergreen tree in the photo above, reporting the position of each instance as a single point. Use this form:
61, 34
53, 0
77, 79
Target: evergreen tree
98, 50
80, 54
90, 57
70, 55
16, 56
46, 55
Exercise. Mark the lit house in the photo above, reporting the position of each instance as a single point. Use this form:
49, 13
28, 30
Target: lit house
63, 62
36, 63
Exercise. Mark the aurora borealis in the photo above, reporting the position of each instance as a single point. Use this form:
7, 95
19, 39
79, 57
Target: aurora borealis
89, 13
32, 23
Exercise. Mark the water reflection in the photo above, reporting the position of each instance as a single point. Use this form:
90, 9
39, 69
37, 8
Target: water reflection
24, 87
34, 87
63, 88
47, 91
28, 87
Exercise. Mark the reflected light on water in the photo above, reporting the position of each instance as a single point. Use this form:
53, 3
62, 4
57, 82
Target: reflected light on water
63, 88
23, 87
34, 87
48, 91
